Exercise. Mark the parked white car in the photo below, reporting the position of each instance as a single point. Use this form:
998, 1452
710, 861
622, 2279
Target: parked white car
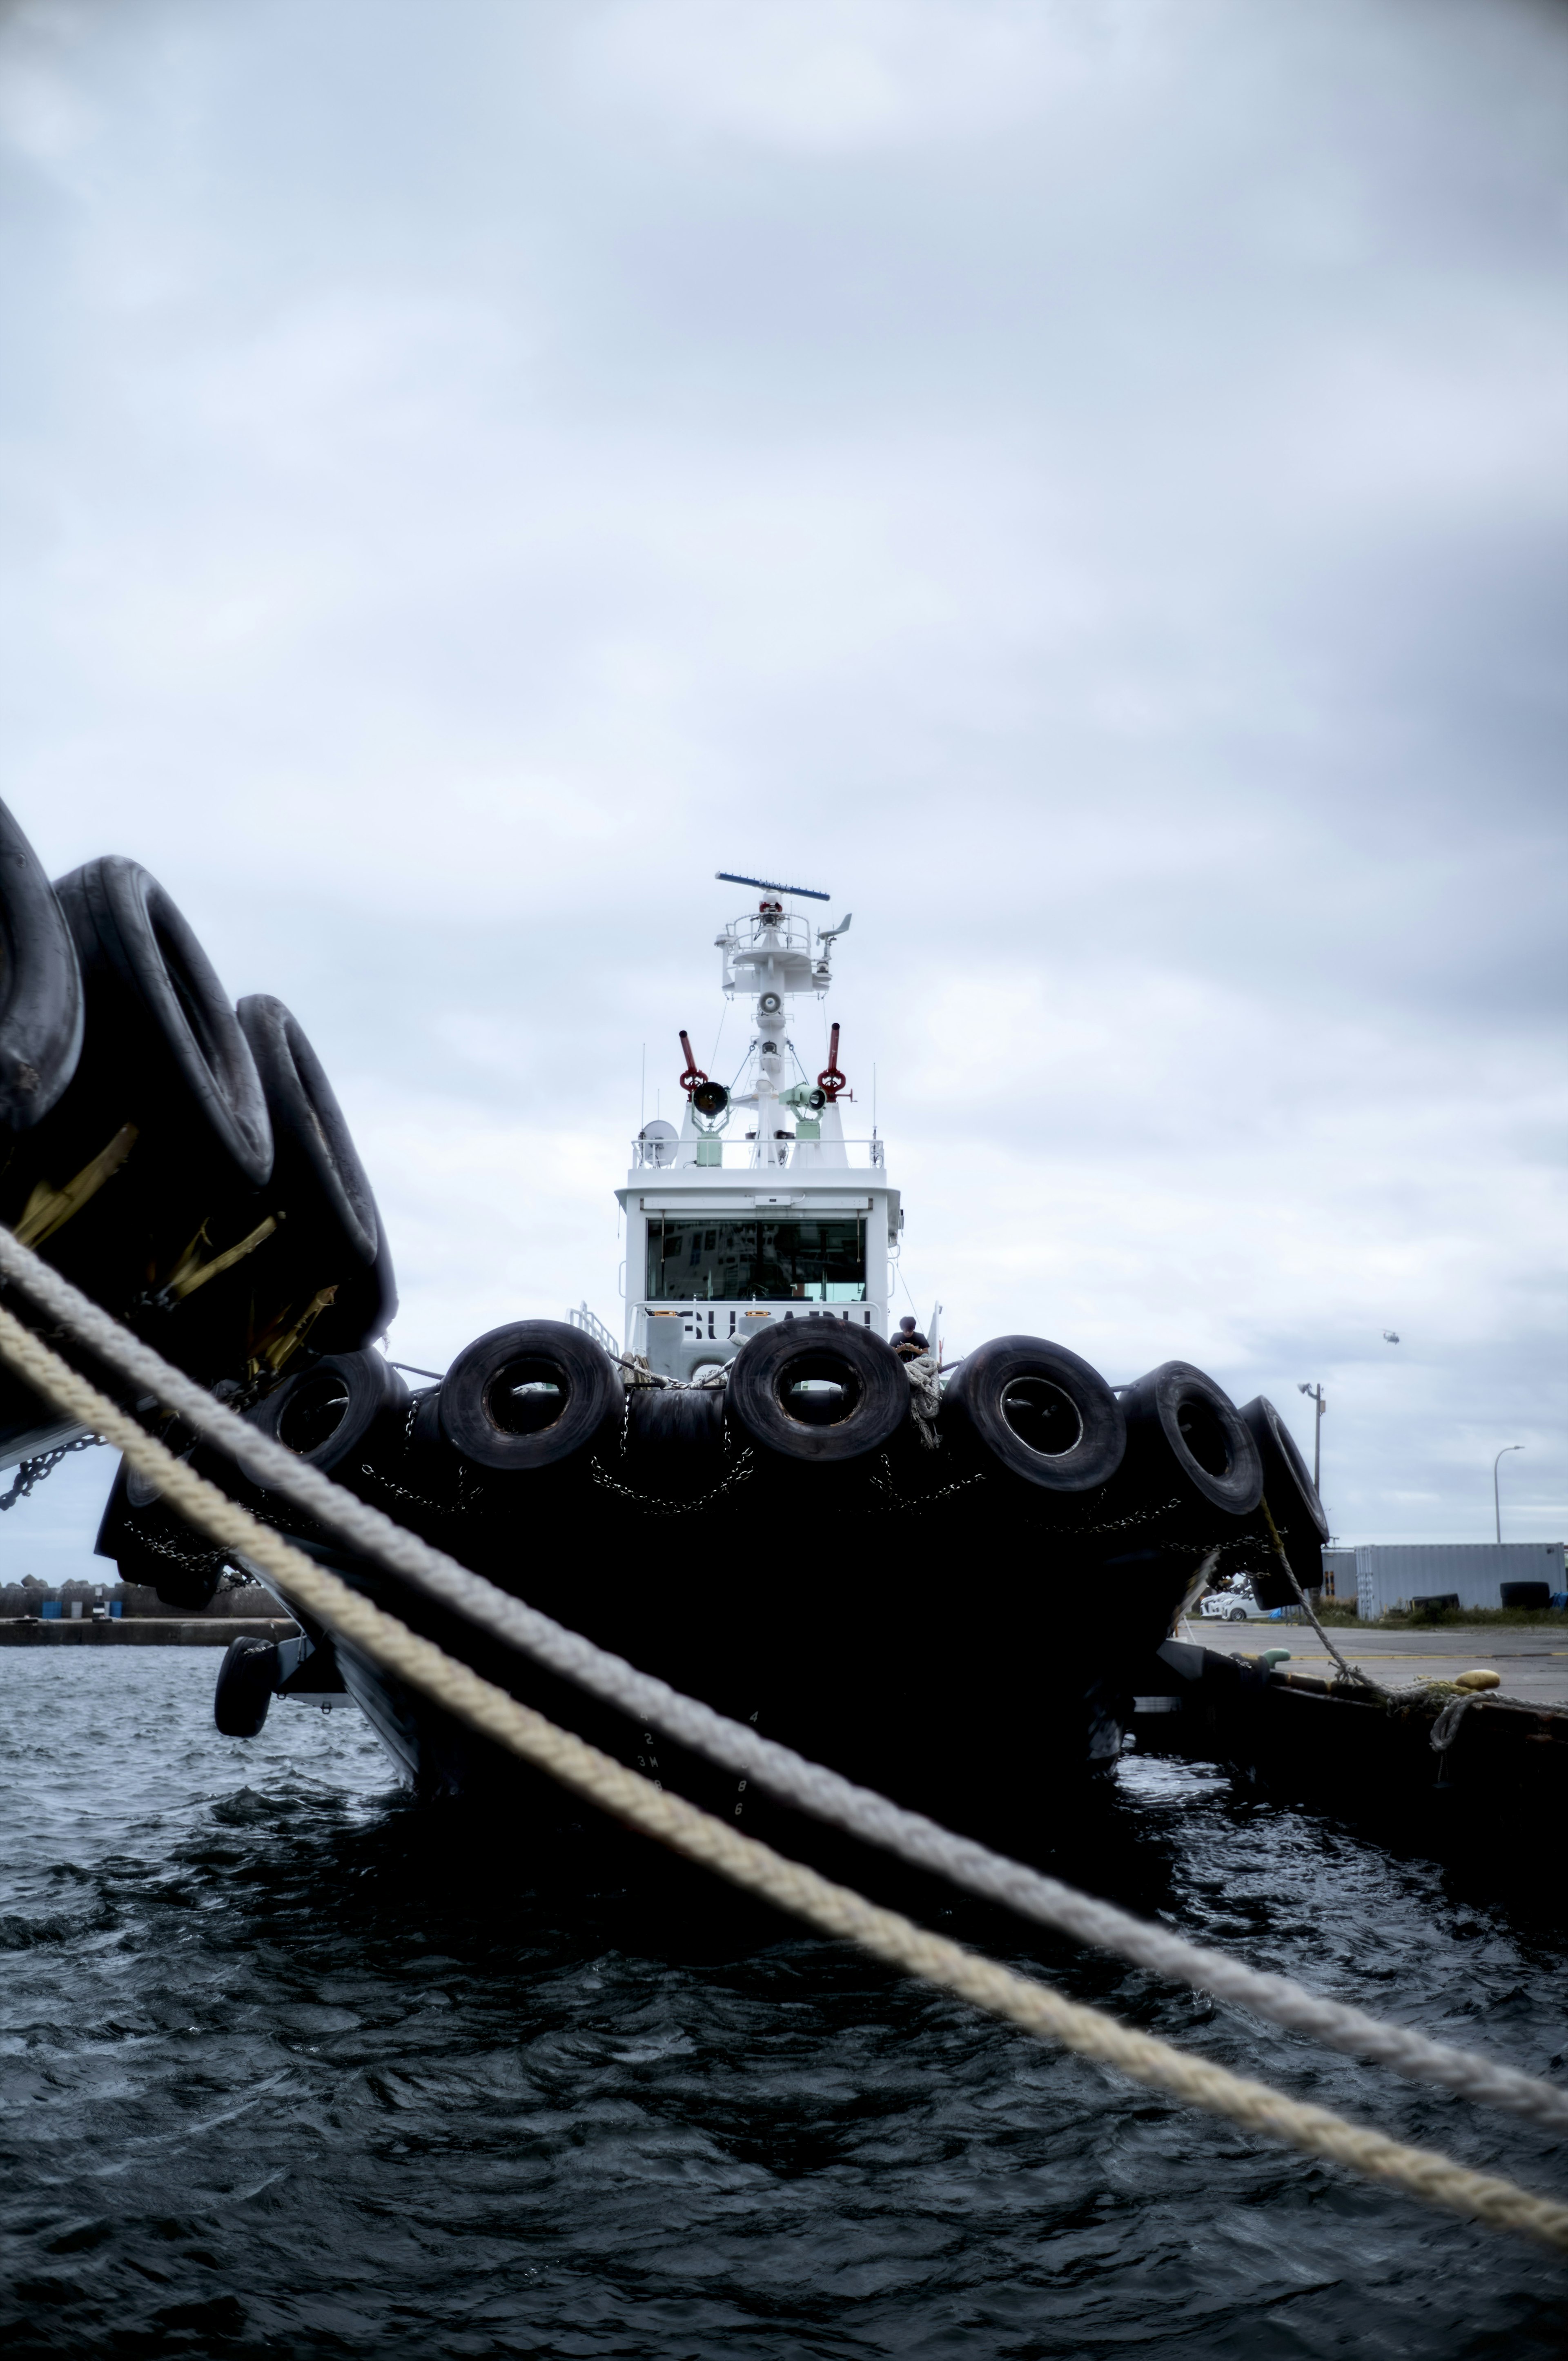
1232, 1605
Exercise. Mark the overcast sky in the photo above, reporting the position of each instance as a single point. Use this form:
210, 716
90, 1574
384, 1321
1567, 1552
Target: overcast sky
1082, 480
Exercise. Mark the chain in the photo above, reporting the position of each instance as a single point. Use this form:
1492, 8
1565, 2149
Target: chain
30, 1473
652, 1508
188, 1561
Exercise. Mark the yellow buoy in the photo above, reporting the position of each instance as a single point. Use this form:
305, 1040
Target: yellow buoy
1479, 1679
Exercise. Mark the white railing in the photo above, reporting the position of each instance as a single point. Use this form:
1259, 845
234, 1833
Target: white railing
592, 1325
792, 931
785, 1150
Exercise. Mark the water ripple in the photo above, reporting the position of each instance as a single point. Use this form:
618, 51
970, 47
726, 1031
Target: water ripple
289, 2067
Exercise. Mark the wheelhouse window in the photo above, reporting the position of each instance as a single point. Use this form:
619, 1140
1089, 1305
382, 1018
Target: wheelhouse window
768, 1262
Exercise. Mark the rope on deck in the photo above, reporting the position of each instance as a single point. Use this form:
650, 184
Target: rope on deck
734, 1746
835, 1910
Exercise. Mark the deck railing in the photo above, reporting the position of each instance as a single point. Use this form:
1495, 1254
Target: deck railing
785, 1151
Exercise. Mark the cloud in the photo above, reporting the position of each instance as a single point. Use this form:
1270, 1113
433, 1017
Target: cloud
1085, 485
846, 76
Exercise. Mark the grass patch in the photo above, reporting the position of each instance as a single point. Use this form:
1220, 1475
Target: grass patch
1449, 1618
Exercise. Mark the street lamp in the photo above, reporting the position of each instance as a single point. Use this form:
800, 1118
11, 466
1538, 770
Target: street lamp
1315, 1395
1497, 1497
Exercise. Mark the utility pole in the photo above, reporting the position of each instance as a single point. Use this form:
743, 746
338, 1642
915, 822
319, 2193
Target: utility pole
1315, 1395
1497, 1496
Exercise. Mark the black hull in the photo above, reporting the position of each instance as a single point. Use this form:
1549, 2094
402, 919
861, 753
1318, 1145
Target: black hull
965, 1665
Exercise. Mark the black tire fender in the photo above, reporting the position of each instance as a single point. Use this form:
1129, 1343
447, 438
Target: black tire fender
40, 987
154, 999
333, 1409
872, 1403
673, 1440
333, 1227
148, 1544
1293, 1504
1180, 1423
529, 1397
248, 1678
1036, 1411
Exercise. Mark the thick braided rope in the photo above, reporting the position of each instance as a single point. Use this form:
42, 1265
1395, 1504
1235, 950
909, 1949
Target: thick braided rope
834, 1909
807, 1785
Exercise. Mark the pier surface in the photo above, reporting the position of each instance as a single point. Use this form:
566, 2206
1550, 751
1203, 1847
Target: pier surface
1533, 1663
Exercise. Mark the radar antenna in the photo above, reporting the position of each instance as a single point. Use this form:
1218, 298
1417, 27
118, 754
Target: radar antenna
772, 886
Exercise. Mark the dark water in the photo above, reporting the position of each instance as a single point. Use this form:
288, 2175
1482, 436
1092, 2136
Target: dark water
291, 2067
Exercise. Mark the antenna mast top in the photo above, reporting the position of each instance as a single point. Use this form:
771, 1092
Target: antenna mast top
770, 885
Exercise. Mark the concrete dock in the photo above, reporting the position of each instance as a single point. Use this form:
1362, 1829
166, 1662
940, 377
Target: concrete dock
141, 1631
1533, 1663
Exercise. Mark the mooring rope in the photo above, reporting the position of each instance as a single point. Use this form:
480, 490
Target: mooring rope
1351, 1673
834, 1910
783, 1773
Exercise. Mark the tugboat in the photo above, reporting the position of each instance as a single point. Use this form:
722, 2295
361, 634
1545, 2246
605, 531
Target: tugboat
947, 1583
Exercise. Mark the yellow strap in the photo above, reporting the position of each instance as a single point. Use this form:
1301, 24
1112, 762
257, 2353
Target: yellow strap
48, 1210
193, 1273
275, 1346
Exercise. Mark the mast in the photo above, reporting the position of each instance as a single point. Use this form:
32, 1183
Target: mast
760, 1207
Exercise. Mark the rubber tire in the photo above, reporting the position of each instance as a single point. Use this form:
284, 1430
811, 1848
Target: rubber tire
332, 1233
127, 1534
672, 1442
248, 1678
1293, 1504
316, 1171
377, 1400
974, 1417
583, 1370
154, 999
40, 987
1157, 1449
790, 1350
1236, 1615
190, 1595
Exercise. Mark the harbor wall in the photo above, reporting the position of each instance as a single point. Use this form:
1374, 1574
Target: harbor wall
164, 1630
75, 1601
131, 1614
1389, 1575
